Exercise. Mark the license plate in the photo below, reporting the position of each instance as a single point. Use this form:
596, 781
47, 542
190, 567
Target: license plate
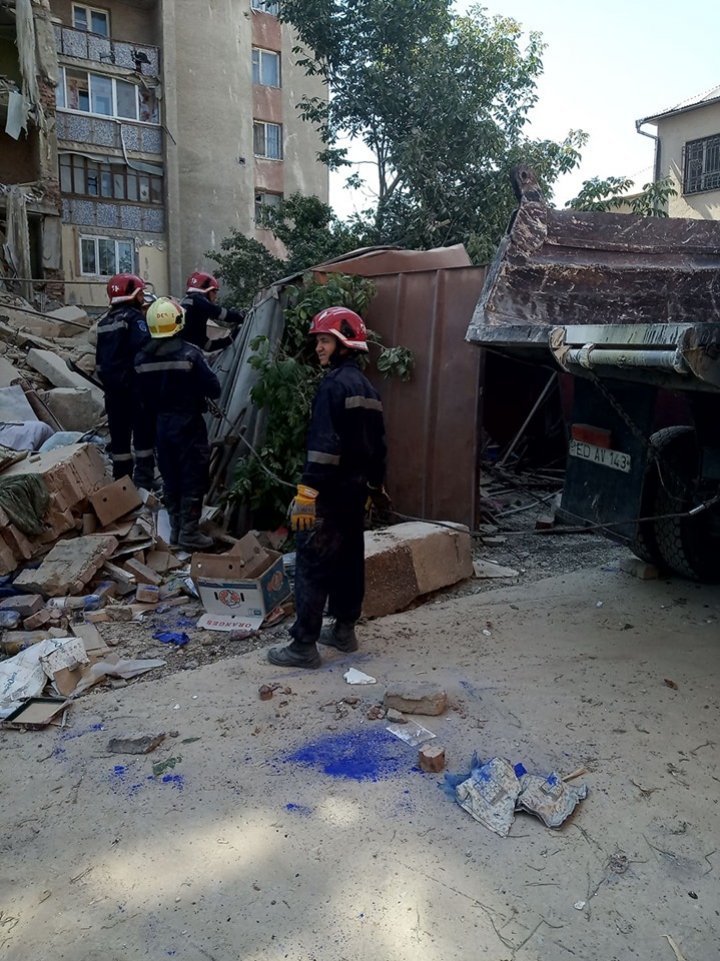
602, 456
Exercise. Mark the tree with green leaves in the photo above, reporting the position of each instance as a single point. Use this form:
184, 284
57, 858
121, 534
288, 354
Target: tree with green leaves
614, 193
309, 232
442, 102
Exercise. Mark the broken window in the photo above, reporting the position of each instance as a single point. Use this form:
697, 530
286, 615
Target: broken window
267, 140
266, 67
104, 256
90, 178
266, 6
702, 165
264, 200
91, 19
107, 96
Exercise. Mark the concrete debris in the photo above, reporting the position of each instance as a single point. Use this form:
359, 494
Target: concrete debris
74, 408
417, 698
69, 566
405, 561
431, 758
487, 569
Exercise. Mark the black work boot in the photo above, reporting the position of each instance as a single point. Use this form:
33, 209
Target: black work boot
144, 473
341, 635
191, 537
172, 506
295, 655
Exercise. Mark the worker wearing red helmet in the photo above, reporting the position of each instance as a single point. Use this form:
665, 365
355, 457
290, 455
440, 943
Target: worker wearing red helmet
199, 304
345, 463
121, 333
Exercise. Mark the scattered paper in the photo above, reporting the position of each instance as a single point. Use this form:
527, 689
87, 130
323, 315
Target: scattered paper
353, 676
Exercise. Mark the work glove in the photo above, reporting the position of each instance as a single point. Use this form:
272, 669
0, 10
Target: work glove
378, 499
302, 513
235, 316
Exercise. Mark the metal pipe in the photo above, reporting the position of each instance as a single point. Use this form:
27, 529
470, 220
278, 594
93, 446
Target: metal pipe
656, 138
590, 356
545, 391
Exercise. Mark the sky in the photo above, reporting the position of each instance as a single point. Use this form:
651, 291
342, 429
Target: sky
607, 64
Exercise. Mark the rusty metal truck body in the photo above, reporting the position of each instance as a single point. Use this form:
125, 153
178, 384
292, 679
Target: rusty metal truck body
629, 306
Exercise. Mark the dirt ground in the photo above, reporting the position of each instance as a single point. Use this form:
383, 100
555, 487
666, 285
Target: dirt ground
296, 828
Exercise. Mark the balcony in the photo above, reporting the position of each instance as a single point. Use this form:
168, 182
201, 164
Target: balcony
104, 132
81, 45
113, 216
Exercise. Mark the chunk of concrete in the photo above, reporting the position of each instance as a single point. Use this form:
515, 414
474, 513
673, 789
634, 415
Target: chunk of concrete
53, 367
8, 373
69, 566
73, 408
639, 568
408, 560
24, 604
70, 473
416, 698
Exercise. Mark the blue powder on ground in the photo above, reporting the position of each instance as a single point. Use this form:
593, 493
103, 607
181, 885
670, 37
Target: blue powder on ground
356, 755
119, 770
176, 780
299, 809
71, 735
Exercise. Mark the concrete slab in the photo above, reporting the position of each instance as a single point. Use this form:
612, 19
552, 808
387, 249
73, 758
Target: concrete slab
272, 829
53, 367
74, 408
69, 566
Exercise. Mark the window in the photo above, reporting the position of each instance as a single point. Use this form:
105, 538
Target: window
103, 256
267, 140
88, 178
702, 165
263, 201
91, 19
266, 6
265, 67
106, 96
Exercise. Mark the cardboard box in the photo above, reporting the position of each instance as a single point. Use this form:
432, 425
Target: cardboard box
240, 588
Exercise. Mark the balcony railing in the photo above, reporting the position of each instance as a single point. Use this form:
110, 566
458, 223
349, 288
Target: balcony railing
136, 137
139, 57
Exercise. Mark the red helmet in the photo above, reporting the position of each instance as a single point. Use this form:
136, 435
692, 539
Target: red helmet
124, 287
201, 283
344, 324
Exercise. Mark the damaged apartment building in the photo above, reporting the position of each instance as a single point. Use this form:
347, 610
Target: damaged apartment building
152, 129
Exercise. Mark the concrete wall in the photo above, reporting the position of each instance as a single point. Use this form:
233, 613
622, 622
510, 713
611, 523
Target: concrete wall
674, 133
209, 113
150, 253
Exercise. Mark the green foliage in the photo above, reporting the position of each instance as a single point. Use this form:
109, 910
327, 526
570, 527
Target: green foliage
308, 231
287, 385
612, 194
441, 100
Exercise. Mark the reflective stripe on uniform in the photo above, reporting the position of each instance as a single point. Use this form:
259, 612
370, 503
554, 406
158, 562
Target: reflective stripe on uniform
369, 403
320, 457
144, 454
223, 314
113, 325
122, 457
153, 365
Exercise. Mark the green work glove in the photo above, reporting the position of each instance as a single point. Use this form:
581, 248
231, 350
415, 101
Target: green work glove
302, 512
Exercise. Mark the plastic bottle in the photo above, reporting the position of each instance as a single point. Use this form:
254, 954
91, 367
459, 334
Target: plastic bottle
88, 602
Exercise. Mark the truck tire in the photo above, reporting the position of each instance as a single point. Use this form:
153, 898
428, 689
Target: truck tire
688, 545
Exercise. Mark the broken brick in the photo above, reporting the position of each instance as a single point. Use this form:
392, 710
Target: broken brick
416, 698
142, 573
431, 758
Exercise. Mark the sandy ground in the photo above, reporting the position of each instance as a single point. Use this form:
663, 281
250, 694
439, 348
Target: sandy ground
295, 829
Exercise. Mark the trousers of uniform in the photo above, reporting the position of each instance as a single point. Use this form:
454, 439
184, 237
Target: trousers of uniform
330, 567
183, 454
130, 427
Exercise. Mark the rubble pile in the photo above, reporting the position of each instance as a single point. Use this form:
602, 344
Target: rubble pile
49, 358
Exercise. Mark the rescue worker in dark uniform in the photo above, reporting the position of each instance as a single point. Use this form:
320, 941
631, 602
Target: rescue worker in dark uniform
174, 380
121, 333
345, 464
200, 307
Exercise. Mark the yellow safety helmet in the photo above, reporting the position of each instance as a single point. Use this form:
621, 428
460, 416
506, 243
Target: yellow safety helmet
165, 317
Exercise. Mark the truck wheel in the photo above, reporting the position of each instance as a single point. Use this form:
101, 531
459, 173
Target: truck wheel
645, 545
688, 545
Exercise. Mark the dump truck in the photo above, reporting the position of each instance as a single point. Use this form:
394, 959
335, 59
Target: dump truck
629, 306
